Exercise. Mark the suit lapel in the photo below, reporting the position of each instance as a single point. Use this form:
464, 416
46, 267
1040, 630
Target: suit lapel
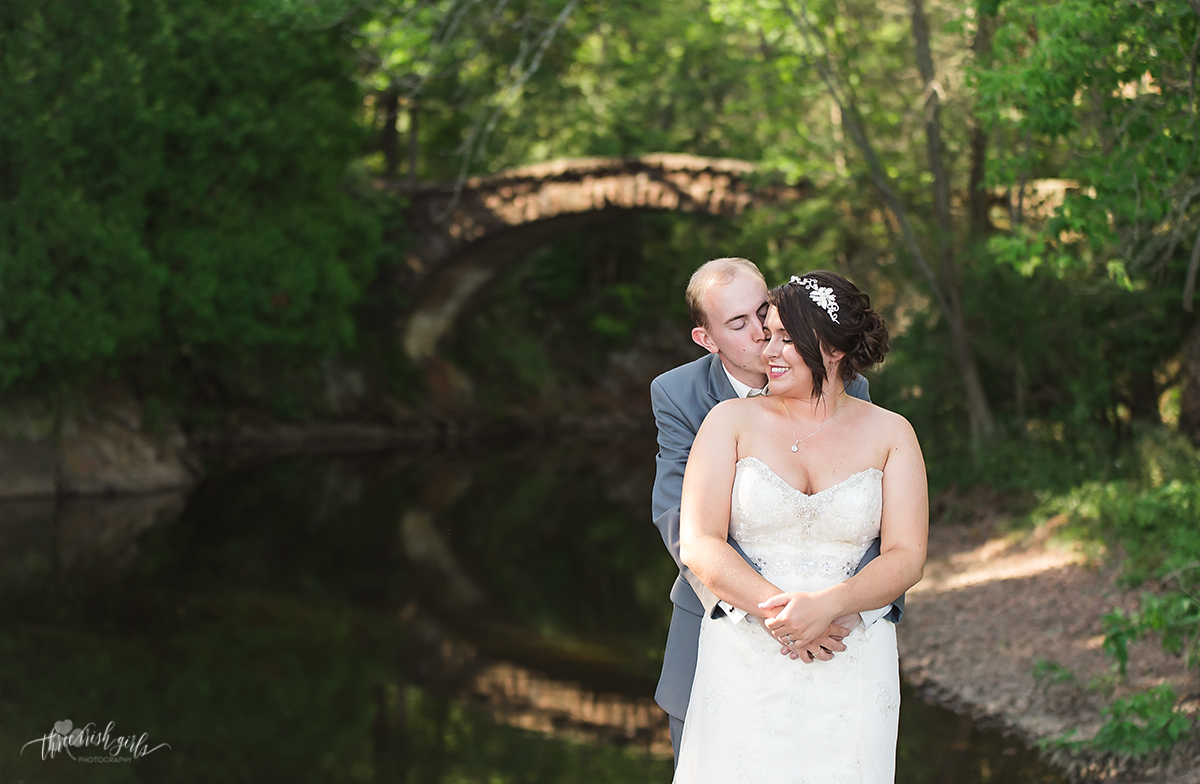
719, 387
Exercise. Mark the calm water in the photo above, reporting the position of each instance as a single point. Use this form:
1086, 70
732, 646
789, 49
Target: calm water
492, 616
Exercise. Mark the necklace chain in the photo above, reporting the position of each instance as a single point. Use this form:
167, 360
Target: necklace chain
798, 441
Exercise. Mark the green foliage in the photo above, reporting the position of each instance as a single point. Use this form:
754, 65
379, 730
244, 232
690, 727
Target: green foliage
1152, 522
1119, 631
79, 137
182, 197
1174, 616
1142, 724
1101, 95
1155, 527
463, 69
1147, 518
1050, 673
1136, 503
1070, 355
171, 189
657, 77
1138, 726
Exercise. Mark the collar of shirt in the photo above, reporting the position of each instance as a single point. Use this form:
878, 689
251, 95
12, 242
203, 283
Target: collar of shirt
741, 389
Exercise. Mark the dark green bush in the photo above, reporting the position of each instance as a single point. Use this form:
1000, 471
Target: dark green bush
170, 181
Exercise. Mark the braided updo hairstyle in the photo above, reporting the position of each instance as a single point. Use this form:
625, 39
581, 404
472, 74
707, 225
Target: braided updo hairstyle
858, 332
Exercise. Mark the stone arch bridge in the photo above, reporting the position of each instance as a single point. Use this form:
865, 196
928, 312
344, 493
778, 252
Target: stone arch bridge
466, 235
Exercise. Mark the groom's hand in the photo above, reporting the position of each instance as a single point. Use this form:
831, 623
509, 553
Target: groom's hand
822, 648
849, 622
798, 616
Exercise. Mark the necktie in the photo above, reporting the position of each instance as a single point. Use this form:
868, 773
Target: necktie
758, 392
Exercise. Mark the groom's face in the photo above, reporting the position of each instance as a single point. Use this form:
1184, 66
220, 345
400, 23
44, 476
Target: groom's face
735, 313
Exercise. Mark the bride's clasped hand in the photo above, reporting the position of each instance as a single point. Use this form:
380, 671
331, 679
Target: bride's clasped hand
800, 617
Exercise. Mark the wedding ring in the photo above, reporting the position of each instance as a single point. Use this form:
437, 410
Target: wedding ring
789, 639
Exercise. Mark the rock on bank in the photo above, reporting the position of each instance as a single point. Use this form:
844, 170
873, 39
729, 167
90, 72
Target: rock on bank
102, 447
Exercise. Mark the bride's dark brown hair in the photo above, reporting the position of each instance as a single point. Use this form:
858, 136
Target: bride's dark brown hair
859, 332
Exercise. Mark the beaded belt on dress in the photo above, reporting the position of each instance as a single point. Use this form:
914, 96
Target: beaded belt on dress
810, 564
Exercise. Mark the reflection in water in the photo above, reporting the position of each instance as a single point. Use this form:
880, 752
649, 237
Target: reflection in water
522, 698
428, 553
100, 534
492, 616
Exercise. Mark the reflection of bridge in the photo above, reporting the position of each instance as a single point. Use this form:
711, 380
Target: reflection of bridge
564, 688
522, 698
562, 704
465, 237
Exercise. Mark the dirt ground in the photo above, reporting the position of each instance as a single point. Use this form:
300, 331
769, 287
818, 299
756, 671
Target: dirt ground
992, 605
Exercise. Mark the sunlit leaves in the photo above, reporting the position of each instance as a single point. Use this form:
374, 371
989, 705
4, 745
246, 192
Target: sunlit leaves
469, 61
1101, 94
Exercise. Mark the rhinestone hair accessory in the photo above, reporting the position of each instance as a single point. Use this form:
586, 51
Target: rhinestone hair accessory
823, 296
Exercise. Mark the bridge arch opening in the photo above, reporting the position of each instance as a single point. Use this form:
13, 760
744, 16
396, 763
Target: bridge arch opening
466, 236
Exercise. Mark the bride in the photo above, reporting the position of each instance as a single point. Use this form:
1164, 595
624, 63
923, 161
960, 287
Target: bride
804, 480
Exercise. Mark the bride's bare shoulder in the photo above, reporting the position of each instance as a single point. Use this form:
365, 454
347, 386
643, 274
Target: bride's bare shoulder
887, 423
734, 408
735, 413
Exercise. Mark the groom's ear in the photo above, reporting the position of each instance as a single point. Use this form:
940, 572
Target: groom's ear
701, 338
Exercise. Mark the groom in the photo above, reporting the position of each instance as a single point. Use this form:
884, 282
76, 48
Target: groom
727, 300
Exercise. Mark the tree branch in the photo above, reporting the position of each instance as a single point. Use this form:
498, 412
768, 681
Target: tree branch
852, 122
1189, 283
481, 130
933, 147
944, 291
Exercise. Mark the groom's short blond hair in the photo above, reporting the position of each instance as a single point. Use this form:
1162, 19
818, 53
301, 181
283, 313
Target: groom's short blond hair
714, 273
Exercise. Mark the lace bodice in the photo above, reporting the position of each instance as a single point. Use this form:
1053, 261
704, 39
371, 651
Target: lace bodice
821, 536
756, 716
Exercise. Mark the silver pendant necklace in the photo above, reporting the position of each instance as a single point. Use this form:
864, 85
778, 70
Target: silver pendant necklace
799, 441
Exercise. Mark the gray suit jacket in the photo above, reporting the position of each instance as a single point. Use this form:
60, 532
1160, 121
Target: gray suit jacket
681, 398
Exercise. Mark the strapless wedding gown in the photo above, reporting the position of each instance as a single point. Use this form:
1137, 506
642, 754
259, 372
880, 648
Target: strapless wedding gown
757, 716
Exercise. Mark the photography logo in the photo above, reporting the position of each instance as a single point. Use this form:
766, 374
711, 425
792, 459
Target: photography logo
76, 741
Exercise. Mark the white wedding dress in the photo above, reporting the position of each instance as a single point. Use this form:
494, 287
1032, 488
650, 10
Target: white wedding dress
757, 716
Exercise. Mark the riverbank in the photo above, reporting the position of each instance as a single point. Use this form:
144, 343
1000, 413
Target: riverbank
107, 445
996, 608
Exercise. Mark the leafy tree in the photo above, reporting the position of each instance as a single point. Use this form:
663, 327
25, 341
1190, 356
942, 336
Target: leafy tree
460, 64
80, 151
822, 41
171, 182
1105, 98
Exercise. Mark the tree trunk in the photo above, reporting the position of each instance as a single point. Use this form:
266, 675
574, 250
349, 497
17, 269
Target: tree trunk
1020, 391
388, 141
1143, 397
414, 143
945, 292
977, 197
1189, 399
980, 413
